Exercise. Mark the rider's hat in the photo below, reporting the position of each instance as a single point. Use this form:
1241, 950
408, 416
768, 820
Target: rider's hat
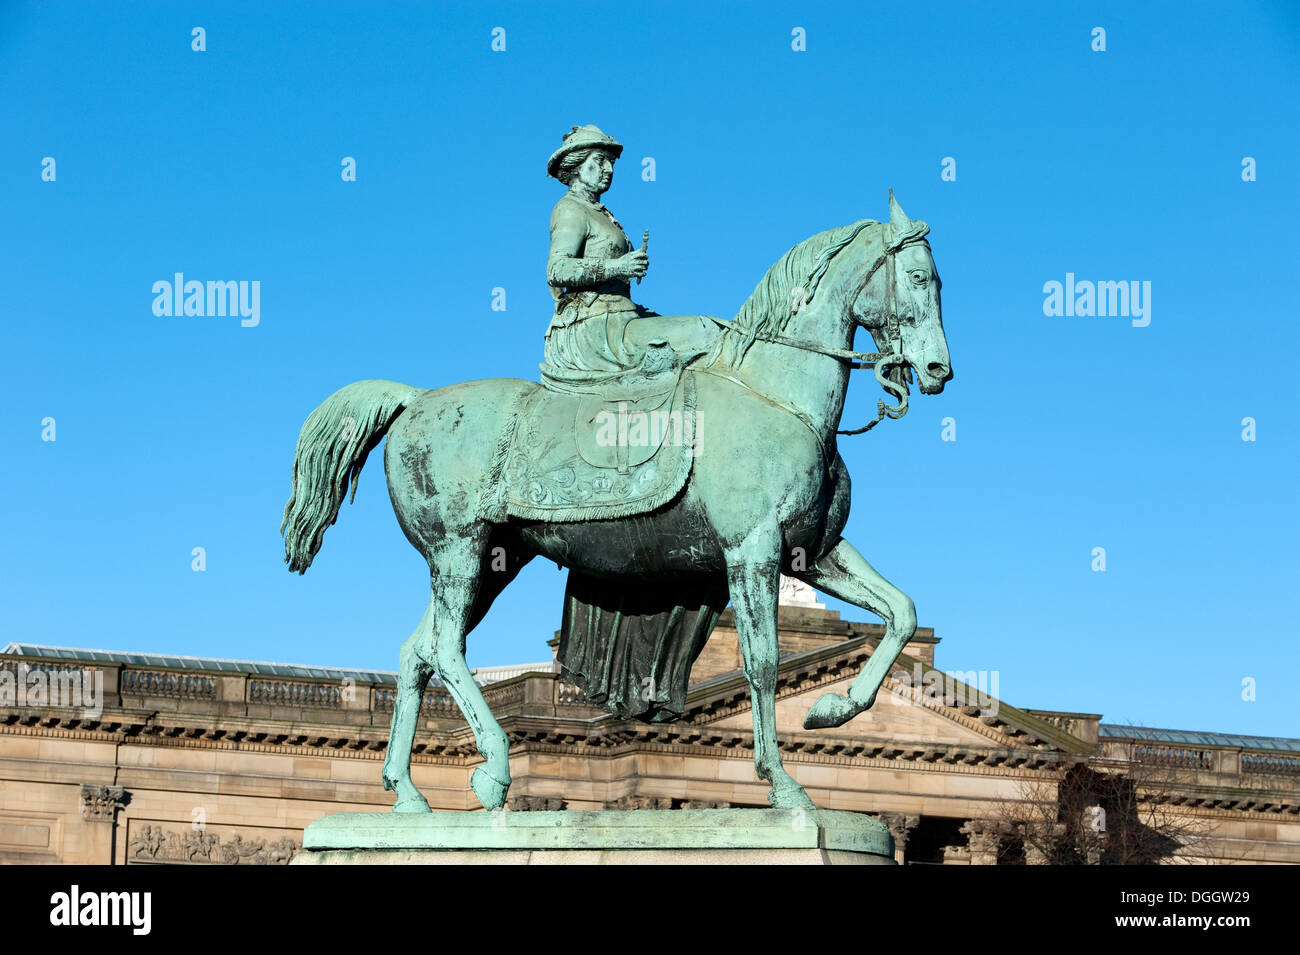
581, 137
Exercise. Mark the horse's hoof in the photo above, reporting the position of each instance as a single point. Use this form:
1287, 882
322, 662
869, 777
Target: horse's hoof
416, 803
832, 709
491, 792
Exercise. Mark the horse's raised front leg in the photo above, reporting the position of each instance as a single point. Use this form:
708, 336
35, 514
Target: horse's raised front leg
844, 573
754, 588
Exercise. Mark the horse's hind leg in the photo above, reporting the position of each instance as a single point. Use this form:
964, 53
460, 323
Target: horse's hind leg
845, 573
490, 781
413, 676
457, 601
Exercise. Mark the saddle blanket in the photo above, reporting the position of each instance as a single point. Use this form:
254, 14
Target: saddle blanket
586, 457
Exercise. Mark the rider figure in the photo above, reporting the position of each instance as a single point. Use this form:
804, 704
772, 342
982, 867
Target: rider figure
598, 333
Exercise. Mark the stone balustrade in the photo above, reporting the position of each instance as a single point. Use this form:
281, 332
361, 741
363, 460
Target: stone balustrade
193, 691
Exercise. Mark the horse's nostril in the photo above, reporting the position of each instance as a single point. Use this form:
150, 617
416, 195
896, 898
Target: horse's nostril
937, 369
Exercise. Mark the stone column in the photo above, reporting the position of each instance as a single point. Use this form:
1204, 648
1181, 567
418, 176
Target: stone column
100, 804
983, 837
1031, 834
899, 824
956, 855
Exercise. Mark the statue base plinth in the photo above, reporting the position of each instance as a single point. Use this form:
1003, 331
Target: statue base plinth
632, 837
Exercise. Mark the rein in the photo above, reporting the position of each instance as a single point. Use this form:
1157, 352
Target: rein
892, 380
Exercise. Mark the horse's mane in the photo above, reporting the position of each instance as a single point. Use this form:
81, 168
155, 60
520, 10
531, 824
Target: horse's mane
771, 305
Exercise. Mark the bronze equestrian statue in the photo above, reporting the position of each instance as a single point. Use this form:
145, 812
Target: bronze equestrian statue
670, 463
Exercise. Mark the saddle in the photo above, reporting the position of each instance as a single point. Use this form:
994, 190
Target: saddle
627, 431
583, 457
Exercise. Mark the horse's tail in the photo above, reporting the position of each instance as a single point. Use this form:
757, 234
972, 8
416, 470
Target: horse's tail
332, 448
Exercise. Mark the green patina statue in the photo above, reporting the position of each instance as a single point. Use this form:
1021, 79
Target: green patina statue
598, 333
671, 463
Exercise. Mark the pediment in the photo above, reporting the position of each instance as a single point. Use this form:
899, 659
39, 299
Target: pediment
902, 715
895, 717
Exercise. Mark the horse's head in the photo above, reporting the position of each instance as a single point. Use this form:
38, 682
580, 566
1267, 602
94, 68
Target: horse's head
869, 274
899, 301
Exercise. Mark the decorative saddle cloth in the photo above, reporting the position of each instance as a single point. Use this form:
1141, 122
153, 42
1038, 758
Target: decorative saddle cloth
584, 457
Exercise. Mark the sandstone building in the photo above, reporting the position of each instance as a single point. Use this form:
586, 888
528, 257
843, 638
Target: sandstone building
199, 761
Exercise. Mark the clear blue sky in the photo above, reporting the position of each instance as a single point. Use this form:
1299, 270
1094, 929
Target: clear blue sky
1073, 433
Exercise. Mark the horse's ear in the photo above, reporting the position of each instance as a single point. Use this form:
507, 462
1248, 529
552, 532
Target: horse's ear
897, 217
899, 223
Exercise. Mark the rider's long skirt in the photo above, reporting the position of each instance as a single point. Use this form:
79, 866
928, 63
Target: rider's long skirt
585, 350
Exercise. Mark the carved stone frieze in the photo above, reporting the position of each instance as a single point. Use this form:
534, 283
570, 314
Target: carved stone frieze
638, 801
163, 843
523, 803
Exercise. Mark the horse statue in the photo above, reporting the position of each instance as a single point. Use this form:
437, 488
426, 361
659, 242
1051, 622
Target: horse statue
763, 492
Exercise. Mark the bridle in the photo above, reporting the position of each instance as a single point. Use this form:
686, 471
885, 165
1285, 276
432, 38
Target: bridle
892, 380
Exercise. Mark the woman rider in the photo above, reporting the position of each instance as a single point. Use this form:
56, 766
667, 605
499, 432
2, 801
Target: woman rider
598, 333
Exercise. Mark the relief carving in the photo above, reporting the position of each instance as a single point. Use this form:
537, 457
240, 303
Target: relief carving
152, 842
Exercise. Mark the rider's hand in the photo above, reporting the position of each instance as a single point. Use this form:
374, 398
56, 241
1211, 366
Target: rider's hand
633, 265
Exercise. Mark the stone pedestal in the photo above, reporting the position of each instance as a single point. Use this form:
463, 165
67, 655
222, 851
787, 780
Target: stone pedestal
636, 837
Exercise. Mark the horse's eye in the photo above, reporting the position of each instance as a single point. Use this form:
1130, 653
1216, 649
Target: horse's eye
918, 278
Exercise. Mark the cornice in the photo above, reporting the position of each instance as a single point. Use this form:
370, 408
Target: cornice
590, 740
